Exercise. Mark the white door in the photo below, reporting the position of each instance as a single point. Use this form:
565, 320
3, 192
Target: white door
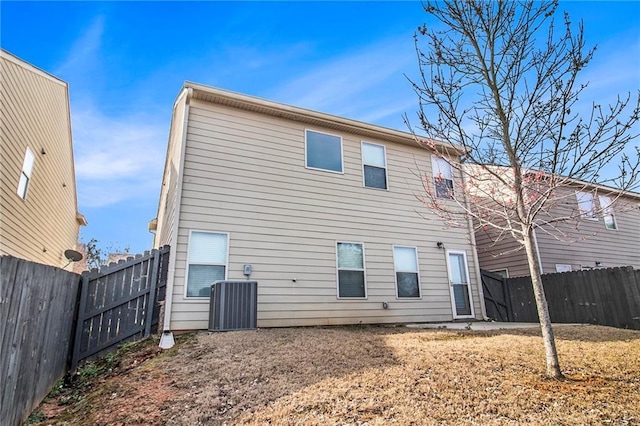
461, 300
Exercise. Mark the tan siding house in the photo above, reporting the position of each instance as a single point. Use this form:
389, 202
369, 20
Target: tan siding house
323, 209
601, 239
39, 219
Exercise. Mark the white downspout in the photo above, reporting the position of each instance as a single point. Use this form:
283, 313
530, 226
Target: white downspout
166, 340
472, 236
535, 240
478, 273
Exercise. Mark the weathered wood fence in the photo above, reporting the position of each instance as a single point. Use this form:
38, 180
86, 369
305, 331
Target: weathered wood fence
51, 319
600, 296
115, 303
497, 300
37, 309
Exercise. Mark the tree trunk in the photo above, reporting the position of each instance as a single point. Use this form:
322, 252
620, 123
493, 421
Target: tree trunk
553, 365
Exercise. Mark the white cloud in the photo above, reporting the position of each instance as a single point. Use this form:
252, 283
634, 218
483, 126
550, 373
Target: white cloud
359, 84
84, 51
614, 70
117, 159
404, 106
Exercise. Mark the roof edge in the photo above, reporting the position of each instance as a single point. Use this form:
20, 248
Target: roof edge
27, 65
274, 108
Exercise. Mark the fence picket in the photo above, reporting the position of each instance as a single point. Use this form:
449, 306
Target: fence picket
128, 312
37, 309
152, 292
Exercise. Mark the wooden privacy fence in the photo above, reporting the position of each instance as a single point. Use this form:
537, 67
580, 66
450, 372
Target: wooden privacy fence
120, 303
37, 309
496, 297
51, 319
600, 296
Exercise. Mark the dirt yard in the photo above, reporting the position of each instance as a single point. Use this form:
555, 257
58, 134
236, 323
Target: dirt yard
363, 376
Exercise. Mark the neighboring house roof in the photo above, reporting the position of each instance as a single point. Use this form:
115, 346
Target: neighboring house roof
307, 116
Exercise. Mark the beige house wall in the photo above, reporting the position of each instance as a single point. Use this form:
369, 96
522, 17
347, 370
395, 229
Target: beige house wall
245, 175
35, 114
169, 192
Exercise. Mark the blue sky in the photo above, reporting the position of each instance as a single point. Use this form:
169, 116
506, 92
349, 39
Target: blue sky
125, 63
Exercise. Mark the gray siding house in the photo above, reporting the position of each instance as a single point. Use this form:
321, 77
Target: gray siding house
603, 232
322, 208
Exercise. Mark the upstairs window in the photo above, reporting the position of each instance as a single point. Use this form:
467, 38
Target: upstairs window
351, 276
207, 262
442, 177
323, 151
374, 165
25, 174
405, 261
607, 213
586, 205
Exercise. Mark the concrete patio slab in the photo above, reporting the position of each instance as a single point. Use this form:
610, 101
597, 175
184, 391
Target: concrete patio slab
482, 325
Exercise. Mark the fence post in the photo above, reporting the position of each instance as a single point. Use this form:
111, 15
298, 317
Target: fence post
151, 300
84, 288
507, 299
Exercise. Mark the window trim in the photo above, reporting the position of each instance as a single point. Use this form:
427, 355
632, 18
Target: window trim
607, 211
587, 215
564, 267
306, 158
496, 271
469, 288
395, 271
186, 270
27, 174
338, 269
386, 165
435, 159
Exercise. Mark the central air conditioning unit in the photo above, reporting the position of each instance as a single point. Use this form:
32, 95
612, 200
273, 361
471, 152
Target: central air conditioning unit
233, 305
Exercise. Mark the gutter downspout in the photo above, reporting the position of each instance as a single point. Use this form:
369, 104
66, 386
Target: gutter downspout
472, 236
535, 240
483, 308
166, 340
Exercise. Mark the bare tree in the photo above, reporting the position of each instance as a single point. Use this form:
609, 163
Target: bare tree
97, 256
501, 81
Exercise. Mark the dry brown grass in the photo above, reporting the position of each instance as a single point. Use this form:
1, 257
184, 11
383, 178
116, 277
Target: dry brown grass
375, 376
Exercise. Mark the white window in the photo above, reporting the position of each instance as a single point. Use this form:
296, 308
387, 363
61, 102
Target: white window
586, 205
607, 212
25, 174
563, 268
351, 275
207, 261
405, 261
323, 151
504, 273
442, 177
374, 165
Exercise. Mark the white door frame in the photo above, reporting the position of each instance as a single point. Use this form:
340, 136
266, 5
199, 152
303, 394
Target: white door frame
453, 299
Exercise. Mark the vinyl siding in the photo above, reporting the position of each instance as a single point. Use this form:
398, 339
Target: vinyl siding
35, 114
245, 174
577, 242
506, 254
587, 241
168, 194
495, 251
